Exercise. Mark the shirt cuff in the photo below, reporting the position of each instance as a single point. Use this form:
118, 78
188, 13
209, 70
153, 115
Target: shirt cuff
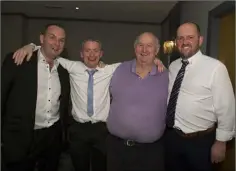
34, 46
224, 136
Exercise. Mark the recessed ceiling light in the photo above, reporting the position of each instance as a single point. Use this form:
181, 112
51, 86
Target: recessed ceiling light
76, 8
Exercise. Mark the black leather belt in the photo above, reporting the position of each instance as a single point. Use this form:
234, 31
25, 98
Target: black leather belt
128, 142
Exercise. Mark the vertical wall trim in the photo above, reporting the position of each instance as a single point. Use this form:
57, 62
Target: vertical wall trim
214, 26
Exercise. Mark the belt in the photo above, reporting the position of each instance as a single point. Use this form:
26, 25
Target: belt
129, 142
93, 123
193, 134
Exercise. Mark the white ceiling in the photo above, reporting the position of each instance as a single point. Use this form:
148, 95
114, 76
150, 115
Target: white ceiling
138, 11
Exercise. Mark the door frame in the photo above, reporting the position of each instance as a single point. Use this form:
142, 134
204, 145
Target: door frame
214, 26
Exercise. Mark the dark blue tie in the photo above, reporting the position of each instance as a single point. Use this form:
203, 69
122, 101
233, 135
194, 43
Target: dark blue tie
170, 118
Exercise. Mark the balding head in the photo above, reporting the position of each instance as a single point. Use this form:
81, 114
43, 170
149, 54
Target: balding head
146, 48
190, 24
149, 34
188, 39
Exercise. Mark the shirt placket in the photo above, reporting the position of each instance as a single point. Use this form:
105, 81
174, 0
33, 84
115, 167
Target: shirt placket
49, 96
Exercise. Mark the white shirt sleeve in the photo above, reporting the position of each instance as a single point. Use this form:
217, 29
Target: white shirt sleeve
69, 65
35, 46
114, 66
224, 104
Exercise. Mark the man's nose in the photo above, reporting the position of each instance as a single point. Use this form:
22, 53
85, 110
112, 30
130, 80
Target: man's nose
185, 41
57, 43
144, 49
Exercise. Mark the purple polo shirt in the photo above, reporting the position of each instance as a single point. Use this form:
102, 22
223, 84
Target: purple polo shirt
138, 107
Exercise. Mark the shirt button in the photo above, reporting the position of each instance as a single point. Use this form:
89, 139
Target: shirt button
49, 88
49, 100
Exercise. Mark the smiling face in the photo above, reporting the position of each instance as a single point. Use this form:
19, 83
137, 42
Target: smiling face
146, 48
91, 53
53, 41
188, 40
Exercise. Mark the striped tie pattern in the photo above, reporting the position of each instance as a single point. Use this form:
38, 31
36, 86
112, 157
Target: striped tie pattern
170, 118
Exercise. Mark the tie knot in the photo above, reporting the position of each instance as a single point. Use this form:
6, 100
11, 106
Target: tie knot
185, 62
91, 72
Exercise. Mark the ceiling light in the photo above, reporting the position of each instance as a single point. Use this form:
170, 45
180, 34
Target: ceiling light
76, 8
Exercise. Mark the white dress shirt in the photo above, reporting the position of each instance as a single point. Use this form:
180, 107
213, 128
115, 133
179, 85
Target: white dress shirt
206, 96
79, 85
49, 90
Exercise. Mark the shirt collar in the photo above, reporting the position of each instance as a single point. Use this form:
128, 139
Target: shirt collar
195, 57
41, 58
133, 68
87, 68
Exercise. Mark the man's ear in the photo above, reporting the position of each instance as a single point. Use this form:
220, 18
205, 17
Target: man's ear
81, 56
157, 50
101, 54
41, 37
201, 40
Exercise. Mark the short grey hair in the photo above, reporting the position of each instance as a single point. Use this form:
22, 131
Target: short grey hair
157, 42
92, 40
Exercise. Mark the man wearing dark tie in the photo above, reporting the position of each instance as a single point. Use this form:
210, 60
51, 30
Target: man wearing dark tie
201, 107
35, 98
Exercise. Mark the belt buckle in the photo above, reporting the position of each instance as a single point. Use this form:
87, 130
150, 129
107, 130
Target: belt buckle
130, 143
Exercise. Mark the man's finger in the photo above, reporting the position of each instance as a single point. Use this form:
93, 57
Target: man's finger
217, 159
17, 57
21, 60
212, 159
29, 56
22, 56
15, 54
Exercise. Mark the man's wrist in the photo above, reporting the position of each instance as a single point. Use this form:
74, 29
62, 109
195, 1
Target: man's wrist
220, 142
33, 46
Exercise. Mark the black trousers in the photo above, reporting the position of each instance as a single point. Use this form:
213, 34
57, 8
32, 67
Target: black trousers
188, 153
44, 153
134, 156
87, 145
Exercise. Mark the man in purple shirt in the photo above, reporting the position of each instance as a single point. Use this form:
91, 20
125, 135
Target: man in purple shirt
136, 120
